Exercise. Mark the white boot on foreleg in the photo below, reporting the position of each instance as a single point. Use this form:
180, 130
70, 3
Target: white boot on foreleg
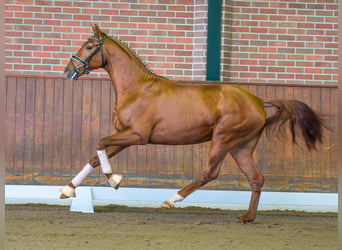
114, 180
68, 191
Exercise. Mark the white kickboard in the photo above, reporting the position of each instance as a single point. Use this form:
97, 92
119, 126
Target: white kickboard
83, 202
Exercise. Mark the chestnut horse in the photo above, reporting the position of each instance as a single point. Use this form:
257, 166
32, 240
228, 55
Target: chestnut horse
153, 109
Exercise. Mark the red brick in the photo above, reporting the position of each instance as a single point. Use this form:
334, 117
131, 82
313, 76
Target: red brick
323, 51
278, 18
322, 77
323, 64
286, 37
258, 56
331, 58
276, 69
330, 71
248, 75
13, 8
247, 49
287, 12
314, 57
120, 6
277, 43
304, 38
267, 62
294, 70
260, 17
257, 68
277, 56
286, 63
296, 18
285, 76
268, 11
296, 31
305, 25
305, 64
313, 71
267, 75
248, 62
267, 50
42, 67
286, 50
13, 21
249, 36
23, 67
307, 77
331, 19
304, 51
26, 2
32, 60
297, 6
250, 10
259, 30
63, 3
278, 5
331, 45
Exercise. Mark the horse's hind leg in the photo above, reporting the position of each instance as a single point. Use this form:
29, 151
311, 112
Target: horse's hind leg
210, 172
244, 158
68, 191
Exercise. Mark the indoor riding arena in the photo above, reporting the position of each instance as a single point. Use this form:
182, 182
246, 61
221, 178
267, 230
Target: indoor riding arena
60, 128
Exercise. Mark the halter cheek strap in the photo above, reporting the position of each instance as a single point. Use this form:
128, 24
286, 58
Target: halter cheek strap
85, 63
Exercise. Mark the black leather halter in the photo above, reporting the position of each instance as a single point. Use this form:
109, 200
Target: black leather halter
86, 61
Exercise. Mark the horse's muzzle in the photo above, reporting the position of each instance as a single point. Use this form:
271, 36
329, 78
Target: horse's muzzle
71, 74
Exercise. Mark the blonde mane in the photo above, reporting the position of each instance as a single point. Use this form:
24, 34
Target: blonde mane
135, 57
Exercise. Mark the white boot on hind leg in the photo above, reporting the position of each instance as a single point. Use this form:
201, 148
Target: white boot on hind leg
115, 180
67, 192
170, 203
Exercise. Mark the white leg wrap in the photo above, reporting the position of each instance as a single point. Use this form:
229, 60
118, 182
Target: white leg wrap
77, 180
104, 161
175, 198
169, 203
115, 180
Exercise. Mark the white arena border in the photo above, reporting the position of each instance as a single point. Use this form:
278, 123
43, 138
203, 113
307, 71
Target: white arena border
87, 197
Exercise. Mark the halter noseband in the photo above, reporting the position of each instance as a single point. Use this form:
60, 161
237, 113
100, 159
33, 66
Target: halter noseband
86, 61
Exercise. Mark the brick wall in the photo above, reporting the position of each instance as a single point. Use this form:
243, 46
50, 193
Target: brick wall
170, 35
272, 41
280, 41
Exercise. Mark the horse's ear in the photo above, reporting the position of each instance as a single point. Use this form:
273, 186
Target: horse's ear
96, 30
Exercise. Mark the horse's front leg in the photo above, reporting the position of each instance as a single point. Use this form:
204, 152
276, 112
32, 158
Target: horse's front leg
68, 191
106, 148
122, 139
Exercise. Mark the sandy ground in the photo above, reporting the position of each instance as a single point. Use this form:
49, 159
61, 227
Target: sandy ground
46, 227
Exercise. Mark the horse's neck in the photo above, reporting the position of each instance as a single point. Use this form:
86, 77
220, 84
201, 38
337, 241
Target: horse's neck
123, 72
128, 74
127, 82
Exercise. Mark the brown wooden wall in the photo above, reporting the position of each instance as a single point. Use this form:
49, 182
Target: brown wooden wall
53, 126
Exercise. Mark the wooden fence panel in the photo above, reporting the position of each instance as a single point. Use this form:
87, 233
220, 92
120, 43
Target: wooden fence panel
53, 126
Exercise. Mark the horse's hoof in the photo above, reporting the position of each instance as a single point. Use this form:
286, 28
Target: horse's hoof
244, 219
67, 192
115, 181
167, 204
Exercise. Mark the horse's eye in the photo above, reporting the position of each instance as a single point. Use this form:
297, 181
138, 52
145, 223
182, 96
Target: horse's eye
88, 47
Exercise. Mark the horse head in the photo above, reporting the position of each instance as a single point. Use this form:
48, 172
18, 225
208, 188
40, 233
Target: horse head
89, 57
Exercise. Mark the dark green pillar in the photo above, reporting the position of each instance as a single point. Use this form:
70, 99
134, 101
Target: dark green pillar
214, 39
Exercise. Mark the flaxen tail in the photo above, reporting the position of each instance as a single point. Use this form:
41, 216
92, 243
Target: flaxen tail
299, 117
